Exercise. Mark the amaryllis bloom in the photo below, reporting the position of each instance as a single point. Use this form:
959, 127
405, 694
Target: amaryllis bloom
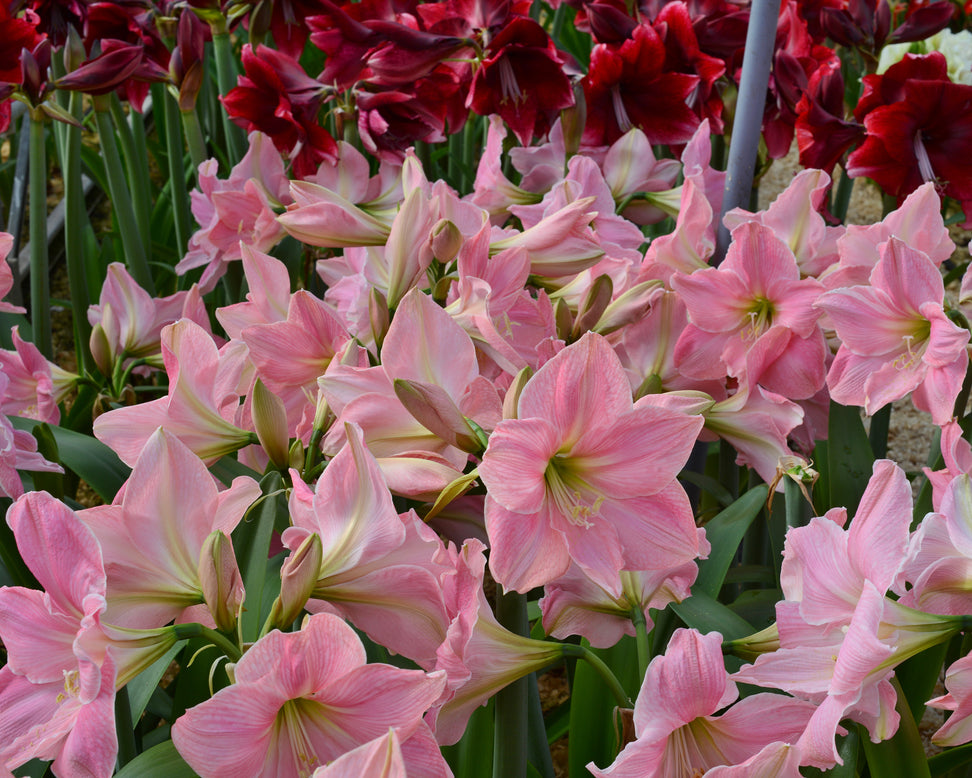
234, 210
277, 97
6, 274
922, 135
795, 218
153, 535
521, 79
575, 605
57, 689
583, 474
958, 728
127, 322
377, 568
18, 451
753, 315
301, 700
939, 566
677, 733
479, 655
36, 386
627, 86
388, 757
17, 33
896, 338
202, 405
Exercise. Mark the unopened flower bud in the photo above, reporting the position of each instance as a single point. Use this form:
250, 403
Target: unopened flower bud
298, 577
222, 584
270, 423
100, 349
446, 241
434, 409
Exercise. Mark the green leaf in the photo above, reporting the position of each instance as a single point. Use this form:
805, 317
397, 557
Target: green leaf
251, 541
849, 748
161, 761
706, 614
227, 468
904, 753
757, 606
942, 763
849, 457
724, 533
87, 456
593, 736
472, 756
140, 688
918, 676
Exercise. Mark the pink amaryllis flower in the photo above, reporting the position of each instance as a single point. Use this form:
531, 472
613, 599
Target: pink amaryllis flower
583, 474
677, 733
896, 338
6, 274
377, 568
57, 688
753, 315
201, 407
153, 536
301, 700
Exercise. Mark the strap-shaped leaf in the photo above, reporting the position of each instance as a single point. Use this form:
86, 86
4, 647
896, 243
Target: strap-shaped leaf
724, 533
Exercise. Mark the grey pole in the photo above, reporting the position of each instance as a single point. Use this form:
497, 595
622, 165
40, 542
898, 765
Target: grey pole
744, 145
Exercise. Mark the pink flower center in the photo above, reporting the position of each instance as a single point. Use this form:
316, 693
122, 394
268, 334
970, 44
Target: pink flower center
760, 318
575, 499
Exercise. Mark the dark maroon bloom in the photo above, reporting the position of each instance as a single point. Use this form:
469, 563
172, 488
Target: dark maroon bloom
607, 21
186, 62
55, 17
522, 79
866, 24
795, 60
925, 134
277, 97
391, 121
16, 34
889, 87
627, 86
683, 55
823, 134
407, 54
118, 64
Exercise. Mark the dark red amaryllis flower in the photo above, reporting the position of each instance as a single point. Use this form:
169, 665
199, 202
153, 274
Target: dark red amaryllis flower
823, 134
391, 121
54, 17
522, 80
683, 55
277, 97
120, 65
627, 86
924, 135
16, 34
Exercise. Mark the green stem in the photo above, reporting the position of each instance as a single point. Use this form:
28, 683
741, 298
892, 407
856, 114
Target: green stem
177, 172
796, 507
963, 396
121, 201
124, 728
226, 76
224, 644
878, 434
538, 750
195, 139
40, 292
842, 196
510, 741
74, 220
641, 640
136, 169
582, 652
312, 452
